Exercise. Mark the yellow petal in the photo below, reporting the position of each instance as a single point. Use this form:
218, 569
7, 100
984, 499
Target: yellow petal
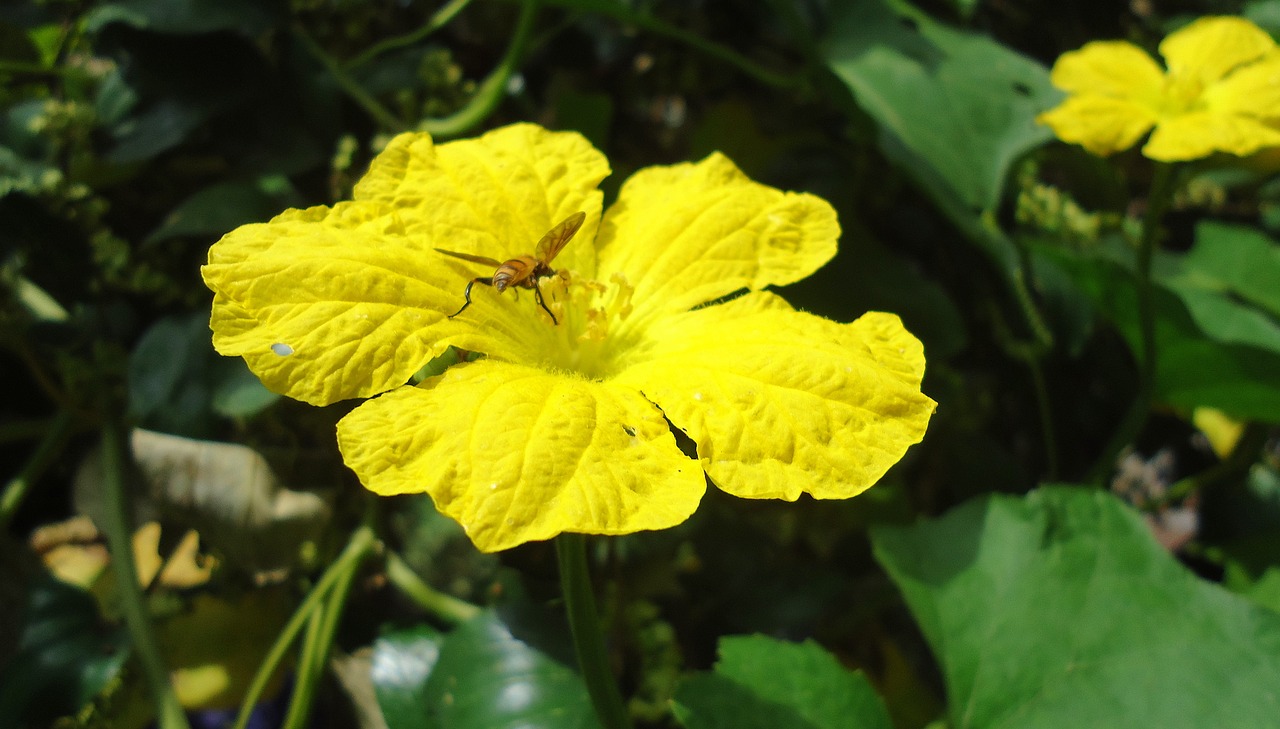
349, 301
782, 403
1209, 48
495, 195
1200, 134
332, 303
515, 454
1253, 91
1116, 69
1101, 125
690, 233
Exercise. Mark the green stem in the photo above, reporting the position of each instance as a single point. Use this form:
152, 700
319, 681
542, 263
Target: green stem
321, 629
1046, 419
588, 639
348, 84
358, 545
1162, 189
1234, 466
119, 532
493, 87
437, 21
55, 436
444, 607
623, 13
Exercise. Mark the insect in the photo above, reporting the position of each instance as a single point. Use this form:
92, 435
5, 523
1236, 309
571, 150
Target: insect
524, 271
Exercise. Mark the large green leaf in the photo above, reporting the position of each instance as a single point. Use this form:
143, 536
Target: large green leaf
65, 655
1237, 260
1059, 609
764, 683
1213, 349
477, 677
955, 109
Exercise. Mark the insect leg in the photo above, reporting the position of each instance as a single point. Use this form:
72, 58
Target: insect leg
537, 294
467, 294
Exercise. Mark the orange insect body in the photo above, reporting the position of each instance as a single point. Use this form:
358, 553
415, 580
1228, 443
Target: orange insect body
523, 271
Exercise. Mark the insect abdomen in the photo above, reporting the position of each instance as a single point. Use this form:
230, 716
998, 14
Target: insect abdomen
515, 272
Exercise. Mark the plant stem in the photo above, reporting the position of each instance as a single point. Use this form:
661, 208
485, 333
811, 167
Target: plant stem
493, 87
437, 21
349, 86
1162, 189
358, 545
444, 607
321, 629
119, 533
55, 436
588, 639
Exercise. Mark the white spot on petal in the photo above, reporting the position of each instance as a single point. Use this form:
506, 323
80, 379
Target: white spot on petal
282, 349
493, 487
697, 396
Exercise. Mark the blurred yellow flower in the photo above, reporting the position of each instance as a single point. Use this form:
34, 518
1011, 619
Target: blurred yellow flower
1220, 93
567, 426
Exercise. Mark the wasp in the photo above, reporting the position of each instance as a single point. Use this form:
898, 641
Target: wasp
524, 271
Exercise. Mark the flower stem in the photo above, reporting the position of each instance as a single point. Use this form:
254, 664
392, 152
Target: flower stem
119, 532
1162, 189
358, 545
55, 437
588, 640
443, 607
493, 87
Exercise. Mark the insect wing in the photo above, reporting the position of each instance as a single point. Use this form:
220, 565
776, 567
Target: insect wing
469, 257
557, 237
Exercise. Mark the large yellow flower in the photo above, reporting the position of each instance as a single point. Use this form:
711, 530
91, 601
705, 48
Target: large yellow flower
1221, 93
564, 426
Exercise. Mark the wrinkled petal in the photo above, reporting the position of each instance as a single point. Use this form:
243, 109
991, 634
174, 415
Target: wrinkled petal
1117, 69
1250, 91
1197, 135
1101, 125
516, 454
326, 304
1210, 48
494, 195
691, 233
331, 303
782, 403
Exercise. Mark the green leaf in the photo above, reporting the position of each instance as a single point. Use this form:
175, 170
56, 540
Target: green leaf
955, 109
478, 677
772, 684
1238, 260
220, 207
1212, 350
65, 656
249, 17
177, 383
402, 662
1059, 609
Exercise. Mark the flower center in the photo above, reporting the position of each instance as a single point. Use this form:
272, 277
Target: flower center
1182, 93
588, 310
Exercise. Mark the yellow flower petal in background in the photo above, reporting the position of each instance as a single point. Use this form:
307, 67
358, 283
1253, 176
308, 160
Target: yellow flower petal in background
1210, 48
1219, 94
1101, 125
691, 233
516, 454
1113, 69
1192, 136
782, 403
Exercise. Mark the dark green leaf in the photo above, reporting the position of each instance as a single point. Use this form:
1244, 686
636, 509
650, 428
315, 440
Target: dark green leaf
772, 684
221, 207
1059, 609
483, 678
1238, 260
955, 108
65, 656
402, 662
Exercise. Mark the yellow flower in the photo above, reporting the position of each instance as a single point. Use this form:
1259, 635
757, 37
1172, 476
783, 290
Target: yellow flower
564, 426
1221, 93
